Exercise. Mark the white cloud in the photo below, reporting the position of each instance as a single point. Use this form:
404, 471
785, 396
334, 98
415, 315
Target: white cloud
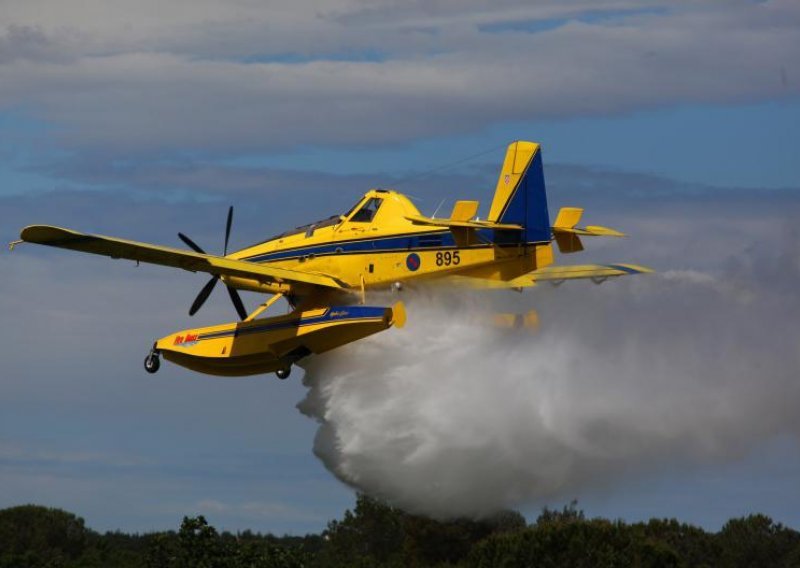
120, 81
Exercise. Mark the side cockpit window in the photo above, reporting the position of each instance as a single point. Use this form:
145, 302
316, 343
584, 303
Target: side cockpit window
367, 212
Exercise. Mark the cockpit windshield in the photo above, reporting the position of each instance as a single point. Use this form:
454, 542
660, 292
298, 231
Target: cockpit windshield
367, 212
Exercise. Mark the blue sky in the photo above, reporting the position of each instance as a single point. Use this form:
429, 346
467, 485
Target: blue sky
749, 145
669, 120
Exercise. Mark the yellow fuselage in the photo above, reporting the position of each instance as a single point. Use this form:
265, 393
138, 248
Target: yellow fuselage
389, 249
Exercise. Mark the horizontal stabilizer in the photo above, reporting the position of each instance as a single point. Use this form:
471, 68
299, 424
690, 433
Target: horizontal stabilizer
598, 273
598, 231
568, 235
589, 231
420, 220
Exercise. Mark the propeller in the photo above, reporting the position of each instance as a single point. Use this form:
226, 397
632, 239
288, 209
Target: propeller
205, 292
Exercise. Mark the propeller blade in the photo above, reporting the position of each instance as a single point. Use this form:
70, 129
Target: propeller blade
209, 287
228, 231
237, 302
203, 295
190, 243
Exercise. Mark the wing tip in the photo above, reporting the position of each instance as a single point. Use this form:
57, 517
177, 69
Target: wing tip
43, 233
632, 268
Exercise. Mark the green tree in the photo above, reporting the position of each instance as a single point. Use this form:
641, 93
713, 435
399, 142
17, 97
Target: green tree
428, 542
755, 541
370, 535
376, 534
566, 538
38, 536
198, 545
693, 545
163, 551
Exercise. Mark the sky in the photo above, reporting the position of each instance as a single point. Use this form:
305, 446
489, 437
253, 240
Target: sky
676, 122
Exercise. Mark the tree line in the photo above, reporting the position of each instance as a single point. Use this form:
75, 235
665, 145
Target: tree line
374, 534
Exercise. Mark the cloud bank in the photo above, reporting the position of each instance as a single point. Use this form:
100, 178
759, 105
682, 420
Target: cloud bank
229, 78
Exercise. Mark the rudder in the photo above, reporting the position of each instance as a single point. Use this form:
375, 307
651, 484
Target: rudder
520, 197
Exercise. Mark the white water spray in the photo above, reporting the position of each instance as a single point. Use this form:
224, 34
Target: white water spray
452, 417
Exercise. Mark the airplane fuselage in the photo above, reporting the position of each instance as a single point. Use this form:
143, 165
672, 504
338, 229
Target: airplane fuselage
385, 249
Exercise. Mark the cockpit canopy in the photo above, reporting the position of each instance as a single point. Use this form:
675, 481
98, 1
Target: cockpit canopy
367, 211
364, 211
311, 227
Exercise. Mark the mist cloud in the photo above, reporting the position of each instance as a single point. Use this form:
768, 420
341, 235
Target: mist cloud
450, 417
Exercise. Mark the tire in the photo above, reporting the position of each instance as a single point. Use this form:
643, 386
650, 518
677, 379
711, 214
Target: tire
151, 363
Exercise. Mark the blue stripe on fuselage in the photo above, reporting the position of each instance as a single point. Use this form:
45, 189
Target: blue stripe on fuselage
408, 242
438, 239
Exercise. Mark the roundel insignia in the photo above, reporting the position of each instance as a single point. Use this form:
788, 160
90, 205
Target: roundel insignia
413, 262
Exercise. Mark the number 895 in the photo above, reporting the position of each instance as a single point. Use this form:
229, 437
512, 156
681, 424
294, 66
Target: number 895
447, 258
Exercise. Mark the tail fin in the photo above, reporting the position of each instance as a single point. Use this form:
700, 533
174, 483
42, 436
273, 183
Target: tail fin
520, 197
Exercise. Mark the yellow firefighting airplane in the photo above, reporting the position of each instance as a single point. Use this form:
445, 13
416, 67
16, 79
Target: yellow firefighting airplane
325, 269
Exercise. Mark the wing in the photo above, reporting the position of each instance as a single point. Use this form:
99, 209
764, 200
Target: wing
556, 274
167, 256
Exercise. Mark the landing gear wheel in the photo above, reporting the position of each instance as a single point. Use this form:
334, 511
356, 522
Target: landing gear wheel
152, 363
283, 373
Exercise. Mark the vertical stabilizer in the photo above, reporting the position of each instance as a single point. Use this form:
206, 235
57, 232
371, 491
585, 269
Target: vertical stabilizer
520, 196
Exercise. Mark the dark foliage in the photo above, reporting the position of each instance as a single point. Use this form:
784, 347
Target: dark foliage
375, 534
38, 536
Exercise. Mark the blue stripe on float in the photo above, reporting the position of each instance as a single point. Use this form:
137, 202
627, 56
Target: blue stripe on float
334, 313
